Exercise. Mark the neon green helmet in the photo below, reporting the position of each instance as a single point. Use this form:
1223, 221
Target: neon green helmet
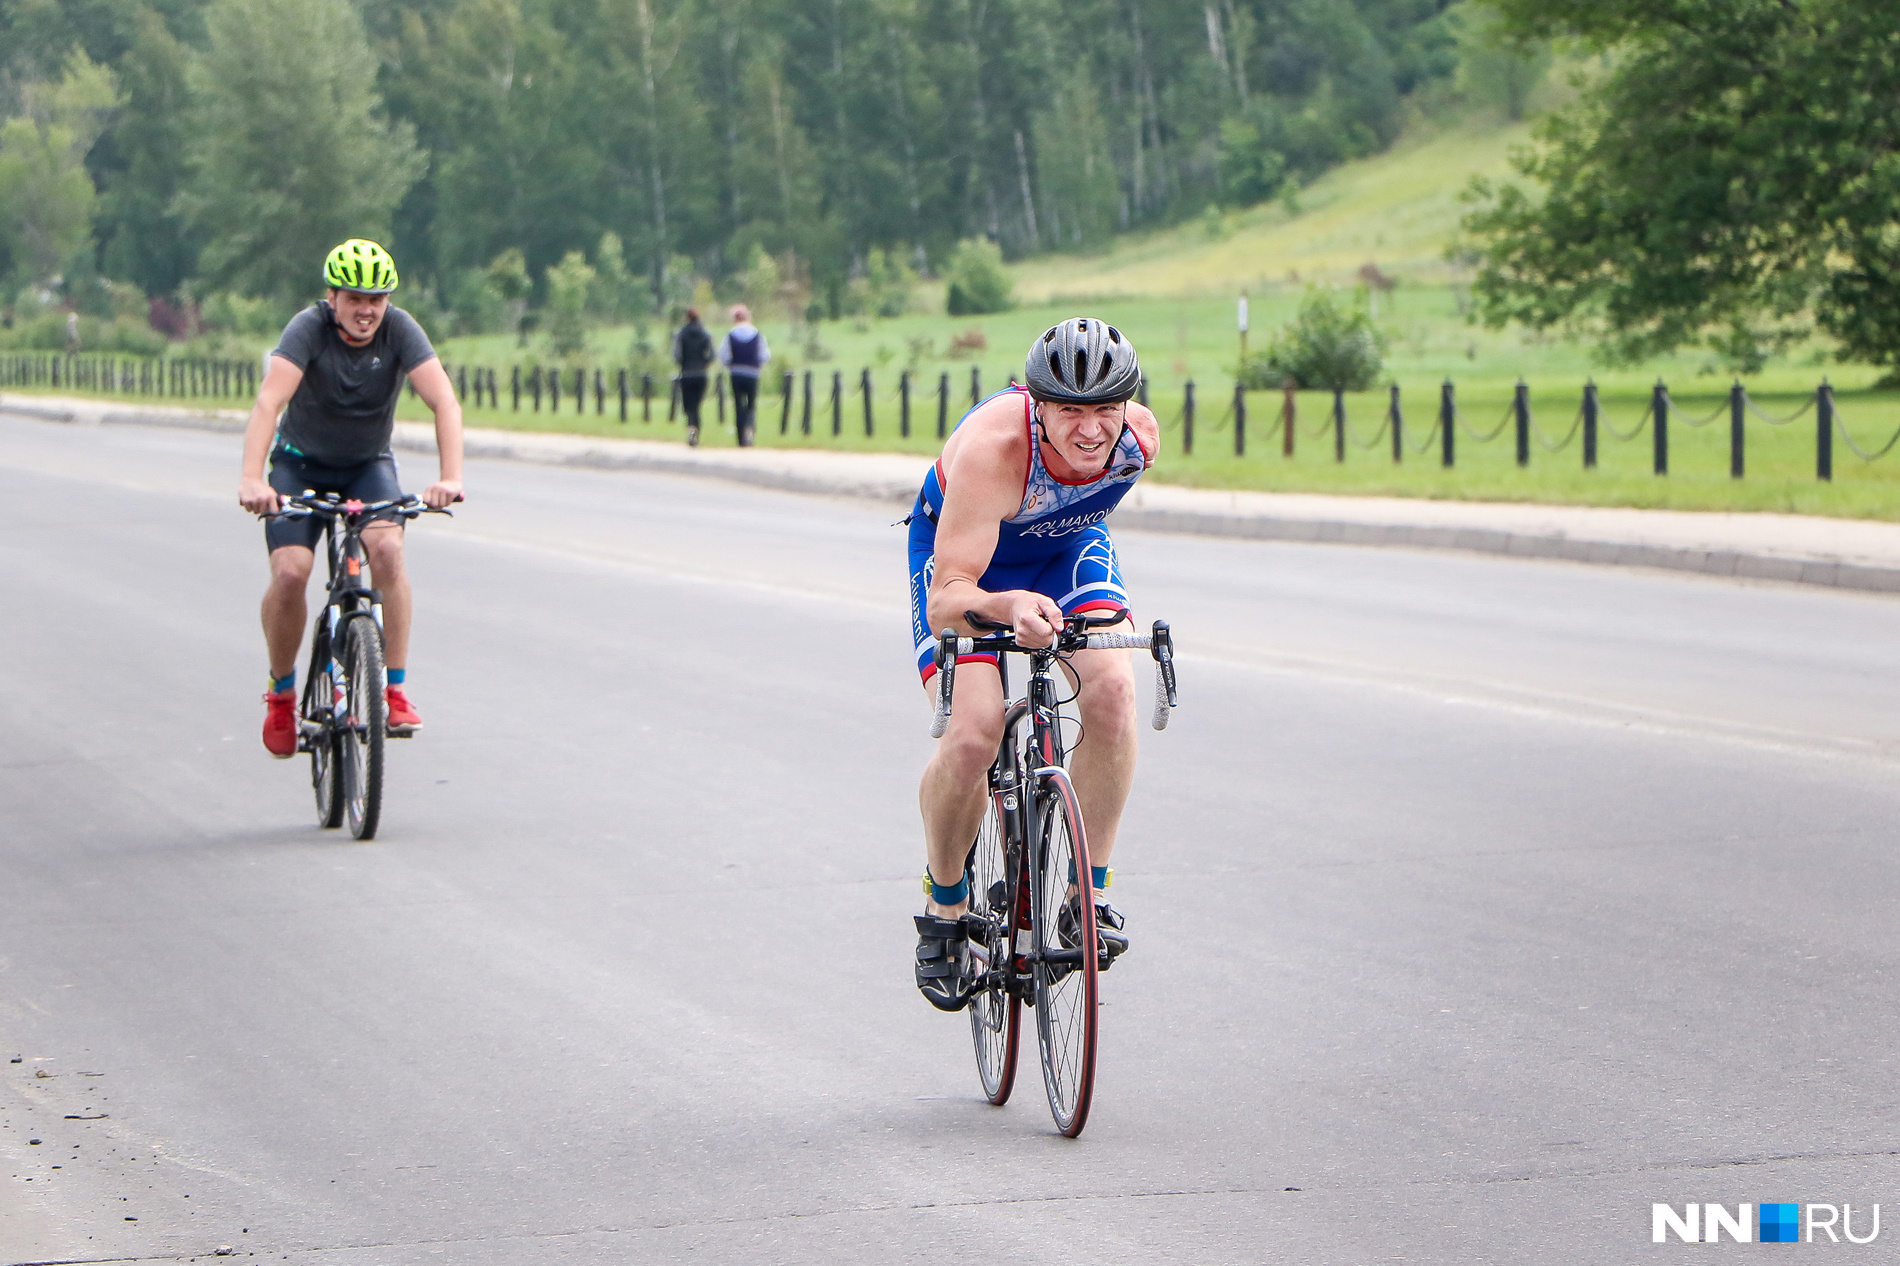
360, 265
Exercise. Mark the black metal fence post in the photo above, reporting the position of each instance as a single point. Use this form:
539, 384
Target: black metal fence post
903, 404
1659, 405
1824, 432
1240, 419
1339, 424
785, 412
837, 403
514, 387
1398, 428
1289, 414
554, 390
1737, 412
1590, 425
1521, 411
976, 386
943, 403
646, 397
804, 417
1187, 419
673, 399
1141, 391
719, 392
864, 385
600, 395
620, 385
461, 382
1447, 424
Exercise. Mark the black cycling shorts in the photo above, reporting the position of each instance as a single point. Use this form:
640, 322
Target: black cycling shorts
292, 473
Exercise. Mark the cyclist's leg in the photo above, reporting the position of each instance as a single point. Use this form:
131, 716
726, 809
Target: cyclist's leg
382, 542
1087, 578
292, 545
955, 783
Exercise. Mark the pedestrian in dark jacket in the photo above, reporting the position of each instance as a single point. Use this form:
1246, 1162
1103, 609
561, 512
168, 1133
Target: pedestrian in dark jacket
693, 353
743, 352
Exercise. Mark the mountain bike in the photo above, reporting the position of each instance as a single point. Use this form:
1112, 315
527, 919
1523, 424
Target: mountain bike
1031, 920
342, 719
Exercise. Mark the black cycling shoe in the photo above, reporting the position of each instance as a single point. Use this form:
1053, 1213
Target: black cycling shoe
943, 954
1108, 931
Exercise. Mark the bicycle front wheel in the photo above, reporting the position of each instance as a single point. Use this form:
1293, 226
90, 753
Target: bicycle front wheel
995, 1009
1063, 955
319, 708
361, 732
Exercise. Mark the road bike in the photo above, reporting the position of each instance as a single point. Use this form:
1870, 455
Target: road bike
1031, 921
342, 719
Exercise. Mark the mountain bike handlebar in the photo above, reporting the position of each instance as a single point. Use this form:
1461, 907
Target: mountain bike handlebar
1074, 635
308, 503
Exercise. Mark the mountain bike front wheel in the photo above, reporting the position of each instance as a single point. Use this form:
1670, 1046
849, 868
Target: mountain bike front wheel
995, 1010
1063, 950
362, 728
319, 706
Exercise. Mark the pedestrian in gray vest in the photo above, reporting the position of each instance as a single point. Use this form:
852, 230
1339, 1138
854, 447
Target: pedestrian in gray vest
743, 352
693, 352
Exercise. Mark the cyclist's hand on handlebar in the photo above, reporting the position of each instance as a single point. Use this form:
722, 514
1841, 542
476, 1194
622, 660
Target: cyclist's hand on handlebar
257, 496
1035, 617
442, 493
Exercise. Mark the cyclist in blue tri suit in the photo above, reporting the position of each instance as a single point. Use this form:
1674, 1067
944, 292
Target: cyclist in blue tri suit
1010, 524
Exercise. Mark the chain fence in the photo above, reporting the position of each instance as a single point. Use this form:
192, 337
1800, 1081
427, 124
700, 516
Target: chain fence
927, 404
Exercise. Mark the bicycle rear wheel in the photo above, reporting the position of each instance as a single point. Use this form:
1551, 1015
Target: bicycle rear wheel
995, 1011
1064, 955
319, 705
360, 738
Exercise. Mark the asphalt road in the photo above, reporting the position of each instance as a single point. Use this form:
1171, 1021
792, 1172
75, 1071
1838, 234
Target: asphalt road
1477, 903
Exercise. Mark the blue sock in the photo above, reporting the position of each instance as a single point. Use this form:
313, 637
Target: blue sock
396, 675
287, 682
950, 894
1098, 875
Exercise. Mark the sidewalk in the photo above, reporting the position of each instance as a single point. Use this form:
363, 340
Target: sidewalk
1848, 553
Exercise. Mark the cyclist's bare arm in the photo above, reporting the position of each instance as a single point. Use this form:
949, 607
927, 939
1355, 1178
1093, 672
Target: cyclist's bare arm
983, 485
280, 383
1147, 429
432, 383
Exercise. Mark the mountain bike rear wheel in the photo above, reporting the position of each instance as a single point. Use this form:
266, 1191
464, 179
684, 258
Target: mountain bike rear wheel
995, 1011
1064, 953
360, 737
319, 703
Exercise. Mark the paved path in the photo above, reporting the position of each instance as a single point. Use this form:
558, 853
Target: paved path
1849, 553
1479, 902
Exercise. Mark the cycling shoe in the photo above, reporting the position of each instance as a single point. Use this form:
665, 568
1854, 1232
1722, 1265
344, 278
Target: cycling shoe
943, 955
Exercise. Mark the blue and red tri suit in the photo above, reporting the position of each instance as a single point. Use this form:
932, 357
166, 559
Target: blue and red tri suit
1056, 544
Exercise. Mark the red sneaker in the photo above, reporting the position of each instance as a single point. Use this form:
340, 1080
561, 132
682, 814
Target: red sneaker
280, 724
402, 714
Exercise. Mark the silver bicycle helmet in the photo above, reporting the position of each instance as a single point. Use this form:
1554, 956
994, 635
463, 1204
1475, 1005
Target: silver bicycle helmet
1082, 361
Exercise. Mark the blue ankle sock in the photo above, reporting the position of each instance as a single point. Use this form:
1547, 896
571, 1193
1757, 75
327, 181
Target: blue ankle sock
287, 682
950, 894
1098, 875
396, 676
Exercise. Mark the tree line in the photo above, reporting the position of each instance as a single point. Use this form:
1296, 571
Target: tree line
826, 148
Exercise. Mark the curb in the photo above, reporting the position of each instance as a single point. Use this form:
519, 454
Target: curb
1736, 564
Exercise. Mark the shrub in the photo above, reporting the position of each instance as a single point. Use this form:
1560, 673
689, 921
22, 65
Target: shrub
977, 283
1326, 347
568, 285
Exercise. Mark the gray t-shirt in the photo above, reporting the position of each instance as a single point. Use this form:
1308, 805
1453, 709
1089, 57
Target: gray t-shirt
343, 413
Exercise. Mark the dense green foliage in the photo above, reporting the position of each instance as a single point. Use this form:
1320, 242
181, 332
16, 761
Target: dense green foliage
701, 134
1729, 181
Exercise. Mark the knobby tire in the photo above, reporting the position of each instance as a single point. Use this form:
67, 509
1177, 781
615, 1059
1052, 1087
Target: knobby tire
319, 694
360, 742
